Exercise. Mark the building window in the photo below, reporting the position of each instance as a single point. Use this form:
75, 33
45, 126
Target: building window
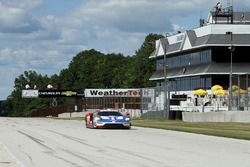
189, 59
159, 64
190, 83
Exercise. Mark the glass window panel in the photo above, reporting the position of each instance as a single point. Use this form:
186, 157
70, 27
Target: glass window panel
208, 82
202, 82
189, 59
159, 64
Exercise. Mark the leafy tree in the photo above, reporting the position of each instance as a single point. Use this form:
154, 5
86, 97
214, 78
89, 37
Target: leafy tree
88, 69
92, 69
18, 106
140, 67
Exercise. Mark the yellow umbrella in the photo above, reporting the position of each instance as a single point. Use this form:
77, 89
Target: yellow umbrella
220, 92
216, 87
234, 87
200, 92
242, 91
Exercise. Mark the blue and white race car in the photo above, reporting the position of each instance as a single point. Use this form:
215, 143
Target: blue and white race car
107, 119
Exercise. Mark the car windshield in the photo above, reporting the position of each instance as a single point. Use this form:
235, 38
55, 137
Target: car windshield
109, 113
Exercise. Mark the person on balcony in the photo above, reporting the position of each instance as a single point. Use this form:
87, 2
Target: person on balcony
218, 8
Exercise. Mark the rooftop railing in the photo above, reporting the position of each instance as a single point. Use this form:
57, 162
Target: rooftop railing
224, 12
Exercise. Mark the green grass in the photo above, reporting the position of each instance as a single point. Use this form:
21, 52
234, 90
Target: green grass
230, 130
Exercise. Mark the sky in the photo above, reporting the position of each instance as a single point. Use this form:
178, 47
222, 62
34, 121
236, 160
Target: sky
44, 35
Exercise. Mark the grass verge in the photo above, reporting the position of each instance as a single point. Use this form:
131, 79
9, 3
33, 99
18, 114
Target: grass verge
230, 130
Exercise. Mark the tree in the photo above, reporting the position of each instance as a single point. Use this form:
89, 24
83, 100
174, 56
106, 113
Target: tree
93, 69
88, 69
140, 67
18, 106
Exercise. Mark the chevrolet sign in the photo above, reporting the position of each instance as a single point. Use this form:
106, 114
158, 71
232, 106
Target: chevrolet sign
57, 93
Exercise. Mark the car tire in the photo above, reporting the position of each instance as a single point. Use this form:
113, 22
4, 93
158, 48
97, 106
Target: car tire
92, 126
85, 123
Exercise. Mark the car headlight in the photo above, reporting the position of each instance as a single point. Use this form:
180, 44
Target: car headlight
127, 119
97, 118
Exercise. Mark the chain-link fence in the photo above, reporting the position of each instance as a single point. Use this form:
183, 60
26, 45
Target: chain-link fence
240, 92
153, 102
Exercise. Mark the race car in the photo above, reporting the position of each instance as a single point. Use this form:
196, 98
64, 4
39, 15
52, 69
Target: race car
107, 119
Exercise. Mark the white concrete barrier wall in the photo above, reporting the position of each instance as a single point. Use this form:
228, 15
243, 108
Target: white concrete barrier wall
72, 115
133, 113
225, 116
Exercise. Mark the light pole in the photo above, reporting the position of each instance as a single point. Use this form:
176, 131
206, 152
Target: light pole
166, 102
231, 48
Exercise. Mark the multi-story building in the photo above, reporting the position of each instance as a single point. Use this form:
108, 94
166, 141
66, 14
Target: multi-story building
202, 57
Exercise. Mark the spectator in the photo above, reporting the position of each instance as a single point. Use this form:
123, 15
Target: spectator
49, 86
218, 8
27, 86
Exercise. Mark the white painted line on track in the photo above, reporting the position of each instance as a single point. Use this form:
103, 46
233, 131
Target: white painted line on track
13, 157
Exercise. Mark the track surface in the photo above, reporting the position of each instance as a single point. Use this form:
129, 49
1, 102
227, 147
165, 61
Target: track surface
35, 142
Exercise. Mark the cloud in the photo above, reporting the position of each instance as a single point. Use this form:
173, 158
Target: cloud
30, 57
5, 56
134, 16
23, 4
45, 40
120, 26
16, 20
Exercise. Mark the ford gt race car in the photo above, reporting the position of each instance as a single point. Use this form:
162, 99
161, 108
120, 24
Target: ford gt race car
107, 119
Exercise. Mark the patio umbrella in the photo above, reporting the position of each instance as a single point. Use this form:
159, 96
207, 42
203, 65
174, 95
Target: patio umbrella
242, 91
234, 87
216, 87
220, 92
200, 92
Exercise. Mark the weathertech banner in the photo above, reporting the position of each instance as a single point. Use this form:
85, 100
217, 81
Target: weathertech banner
115, 92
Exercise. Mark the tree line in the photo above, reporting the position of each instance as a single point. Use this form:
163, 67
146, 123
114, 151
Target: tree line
88, 69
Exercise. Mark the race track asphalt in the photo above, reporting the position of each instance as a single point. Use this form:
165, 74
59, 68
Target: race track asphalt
43, 142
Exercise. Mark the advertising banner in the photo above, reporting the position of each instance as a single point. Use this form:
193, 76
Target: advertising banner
114, 93
58, 93
29, 93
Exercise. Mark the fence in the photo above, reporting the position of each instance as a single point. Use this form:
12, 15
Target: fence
151, 103
241, 92
53, 111
152, 106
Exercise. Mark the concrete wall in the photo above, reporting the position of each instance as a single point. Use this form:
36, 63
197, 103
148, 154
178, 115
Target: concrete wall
133, 113
72, 115
224, 116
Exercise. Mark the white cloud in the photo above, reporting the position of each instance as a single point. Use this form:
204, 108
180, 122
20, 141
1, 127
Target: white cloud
47, 42
23, 4
16, 20
134, 16
5, 55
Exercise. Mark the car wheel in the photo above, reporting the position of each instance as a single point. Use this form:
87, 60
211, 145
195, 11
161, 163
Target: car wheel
92, 126
86, 123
